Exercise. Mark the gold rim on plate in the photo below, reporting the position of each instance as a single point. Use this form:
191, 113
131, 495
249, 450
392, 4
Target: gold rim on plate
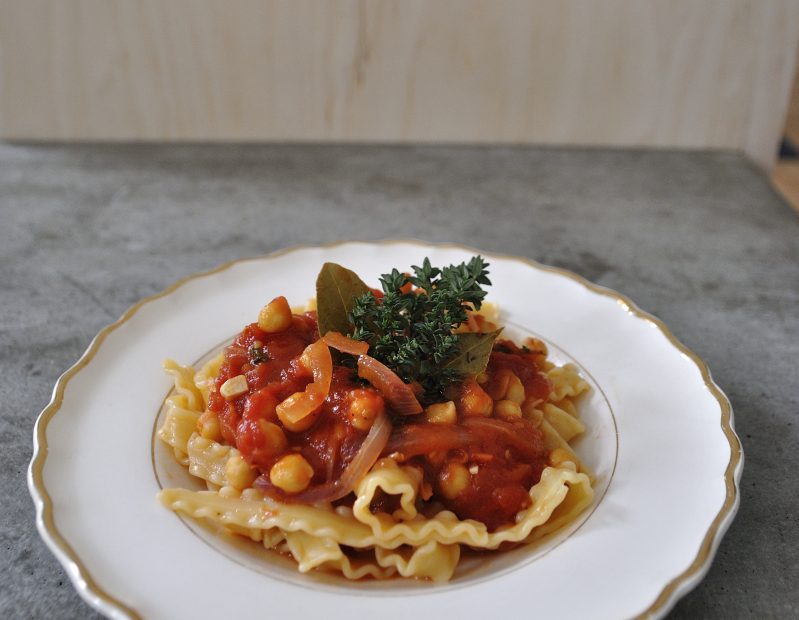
87, 586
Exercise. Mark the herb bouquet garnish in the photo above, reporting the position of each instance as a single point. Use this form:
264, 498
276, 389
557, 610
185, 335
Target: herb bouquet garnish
410, 328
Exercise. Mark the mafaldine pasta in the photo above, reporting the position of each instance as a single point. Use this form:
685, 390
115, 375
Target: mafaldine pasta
312, 447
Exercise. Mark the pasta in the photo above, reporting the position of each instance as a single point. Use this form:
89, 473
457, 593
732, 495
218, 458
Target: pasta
408, 512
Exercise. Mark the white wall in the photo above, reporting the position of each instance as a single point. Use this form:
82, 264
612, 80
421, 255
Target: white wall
680, 73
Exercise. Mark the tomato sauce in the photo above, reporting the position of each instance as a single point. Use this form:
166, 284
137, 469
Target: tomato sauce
502, 459
524, 363
329, 444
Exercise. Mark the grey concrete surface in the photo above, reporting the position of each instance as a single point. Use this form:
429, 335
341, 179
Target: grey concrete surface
698, 238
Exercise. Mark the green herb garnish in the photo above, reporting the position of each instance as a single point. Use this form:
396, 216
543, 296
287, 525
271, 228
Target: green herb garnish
412, 332
257, 355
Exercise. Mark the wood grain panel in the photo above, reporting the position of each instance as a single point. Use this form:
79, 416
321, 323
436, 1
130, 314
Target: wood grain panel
685, 73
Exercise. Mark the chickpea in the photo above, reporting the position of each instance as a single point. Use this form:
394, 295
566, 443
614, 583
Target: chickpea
474, 401
291, 474
453, 479
515, 391
275, 316
238, 473
274, 439
208, 426
507, 409
441, 413
364, 407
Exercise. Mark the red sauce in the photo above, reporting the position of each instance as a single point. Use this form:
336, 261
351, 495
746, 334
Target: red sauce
504, 459
328, 445
524, 364
503, 464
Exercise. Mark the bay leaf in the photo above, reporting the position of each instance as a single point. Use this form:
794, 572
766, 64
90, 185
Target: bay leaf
336, 290
473, 353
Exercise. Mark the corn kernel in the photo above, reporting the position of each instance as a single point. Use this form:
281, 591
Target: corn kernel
442, 413
275, 316
234, 387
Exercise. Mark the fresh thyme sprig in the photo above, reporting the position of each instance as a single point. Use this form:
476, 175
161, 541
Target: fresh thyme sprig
412, 331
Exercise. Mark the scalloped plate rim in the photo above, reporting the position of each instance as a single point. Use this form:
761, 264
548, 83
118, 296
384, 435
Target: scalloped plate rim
95, 595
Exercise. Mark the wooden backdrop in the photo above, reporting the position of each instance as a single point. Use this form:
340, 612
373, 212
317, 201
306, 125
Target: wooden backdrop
684, 73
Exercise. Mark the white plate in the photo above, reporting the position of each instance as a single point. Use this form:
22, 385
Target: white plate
660, 438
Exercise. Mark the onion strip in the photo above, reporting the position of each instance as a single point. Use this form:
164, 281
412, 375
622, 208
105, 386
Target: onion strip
345, 344
316, 357
356, 469
520, 436
420, 439
417, 439
398, 394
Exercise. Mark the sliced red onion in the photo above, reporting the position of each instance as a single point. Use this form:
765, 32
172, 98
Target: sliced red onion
415, 439
397, 393
419, 439
358, 467
519, 435
345, 344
